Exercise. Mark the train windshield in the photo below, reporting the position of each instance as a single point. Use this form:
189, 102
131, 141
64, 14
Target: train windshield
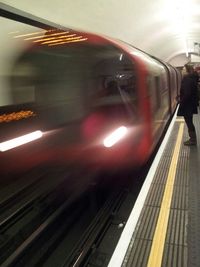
63, 74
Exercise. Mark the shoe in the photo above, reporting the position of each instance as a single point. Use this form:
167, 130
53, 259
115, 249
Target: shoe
190, 142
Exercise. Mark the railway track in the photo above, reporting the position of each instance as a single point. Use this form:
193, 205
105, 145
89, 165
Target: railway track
59, 228
41, 247
65, 220
95, 232
23, 212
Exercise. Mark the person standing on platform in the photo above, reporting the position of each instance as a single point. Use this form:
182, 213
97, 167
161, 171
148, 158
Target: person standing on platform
189, 101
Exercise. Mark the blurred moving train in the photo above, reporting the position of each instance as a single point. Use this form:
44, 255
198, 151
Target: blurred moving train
71, 97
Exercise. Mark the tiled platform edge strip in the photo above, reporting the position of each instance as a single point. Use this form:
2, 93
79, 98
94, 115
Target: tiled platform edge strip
194, 201
175, 249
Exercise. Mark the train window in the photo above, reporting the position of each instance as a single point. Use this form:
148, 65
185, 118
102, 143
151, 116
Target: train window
117, 83
152, 88
157, 93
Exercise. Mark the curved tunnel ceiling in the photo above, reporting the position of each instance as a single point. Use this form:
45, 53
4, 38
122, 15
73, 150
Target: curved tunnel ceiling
166, 29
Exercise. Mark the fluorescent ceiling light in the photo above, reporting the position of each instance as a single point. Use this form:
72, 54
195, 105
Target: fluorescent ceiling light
10, 144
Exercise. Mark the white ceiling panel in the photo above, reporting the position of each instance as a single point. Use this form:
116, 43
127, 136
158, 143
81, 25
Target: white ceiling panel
163, 28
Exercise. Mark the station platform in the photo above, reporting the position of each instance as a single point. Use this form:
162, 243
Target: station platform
164, 226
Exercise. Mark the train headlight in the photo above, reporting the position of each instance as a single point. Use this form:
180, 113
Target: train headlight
115, 136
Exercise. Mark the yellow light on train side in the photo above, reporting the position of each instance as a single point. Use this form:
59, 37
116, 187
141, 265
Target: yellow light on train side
21, 140
115, 136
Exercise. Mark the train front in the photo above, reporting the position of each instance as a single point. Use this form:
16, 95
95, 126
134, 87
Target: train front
77, 95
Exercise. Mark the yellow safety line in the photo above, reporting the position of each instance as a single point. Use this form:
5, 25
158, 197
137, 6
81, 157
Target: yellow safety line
180, 120
156, 253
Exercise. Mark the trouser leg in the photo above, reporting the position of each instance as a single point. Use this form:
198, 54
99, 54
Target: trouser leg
192, 135
191, 128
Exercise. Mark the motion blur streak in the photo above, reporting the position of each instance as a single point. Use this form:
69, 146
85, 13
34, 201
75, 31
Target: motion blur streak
115, 136
4, 146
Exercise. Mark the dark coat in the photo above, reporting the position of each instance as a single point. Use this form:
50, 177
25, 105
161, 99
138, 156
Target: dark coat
188, 95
